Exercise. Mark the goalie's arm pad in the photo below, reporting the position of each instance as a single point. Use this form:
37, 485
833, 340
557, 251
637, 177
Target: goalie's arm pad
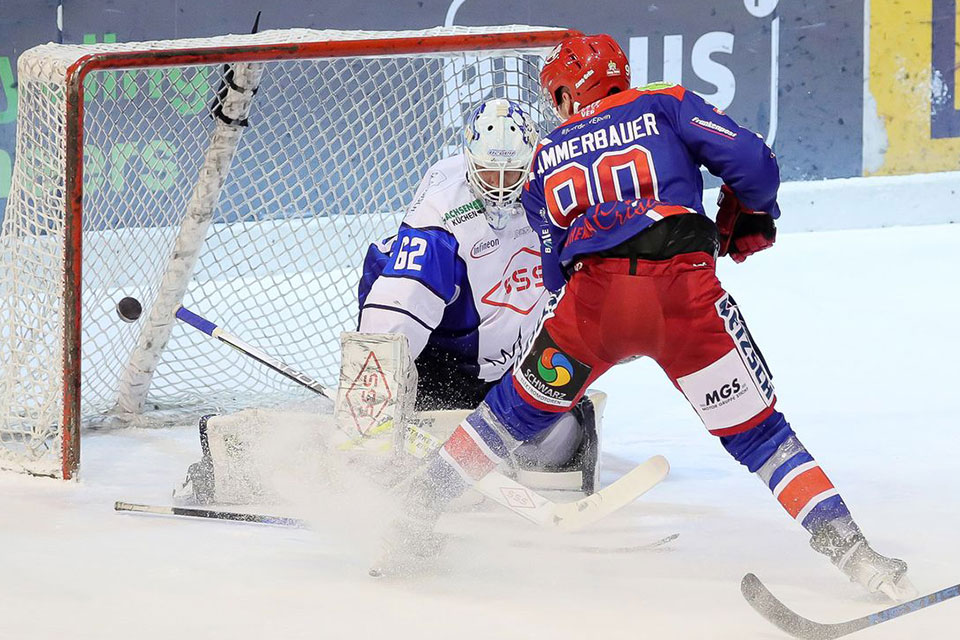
417, 283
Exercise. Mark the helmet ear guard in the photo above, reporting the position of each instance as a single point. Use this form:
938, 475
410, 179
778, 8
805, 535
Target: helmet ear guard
589, 67
499, 141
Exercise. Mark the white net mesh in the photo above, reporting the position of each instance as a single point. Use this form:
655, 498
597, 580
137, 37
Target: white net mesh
334, 150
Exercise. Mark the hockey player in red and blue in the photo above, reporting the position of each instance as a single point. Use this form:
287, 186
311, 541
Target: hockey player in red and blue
615, 193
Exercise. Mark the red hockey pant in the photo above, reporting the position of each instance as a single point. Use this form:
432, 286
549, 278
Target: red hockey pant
674, 311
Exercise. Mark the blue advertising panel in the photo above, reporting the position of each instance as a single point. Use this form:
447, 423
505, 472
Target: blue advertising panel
792, 71
945, 108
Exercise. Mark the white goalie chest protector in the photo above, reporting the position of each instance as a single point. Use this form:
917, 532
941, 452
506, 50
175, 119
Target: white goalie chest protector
502, 268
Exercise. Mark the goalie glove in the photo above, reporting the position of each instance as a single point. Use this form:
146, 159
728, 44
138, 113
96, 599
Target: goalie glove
743, 232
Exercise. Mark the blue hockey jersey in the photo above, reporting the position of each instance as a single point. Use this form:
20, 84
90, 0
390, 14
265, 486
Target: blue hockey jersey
626, 161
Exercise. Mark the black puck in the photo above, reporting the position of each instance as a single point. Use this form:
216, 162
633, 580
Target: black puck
129, 309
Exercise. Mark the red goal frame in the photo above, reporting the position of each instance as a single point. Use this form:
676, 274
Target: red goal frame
78, 71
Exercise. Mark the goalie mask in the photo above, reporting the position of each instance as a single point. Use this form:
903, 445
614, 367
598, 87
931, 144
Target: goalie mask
499, 142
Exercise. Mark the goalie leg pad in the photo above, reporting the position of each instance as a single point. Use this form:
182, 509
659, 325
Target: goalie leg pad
255, 456
567, 455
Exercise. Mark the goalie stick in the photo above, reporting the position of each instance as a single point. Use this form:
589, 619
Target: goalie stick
210, 513
768, 606
528, 504
297, 523
567, 516
212, 330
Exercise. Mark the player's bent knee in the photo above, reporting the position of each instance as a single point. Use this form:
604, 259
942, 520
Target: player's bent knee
549, 378
732, 394
522, 420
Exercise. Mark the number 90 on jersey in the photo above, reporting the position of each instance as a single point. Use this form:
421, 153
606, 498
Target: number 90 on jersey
624, 174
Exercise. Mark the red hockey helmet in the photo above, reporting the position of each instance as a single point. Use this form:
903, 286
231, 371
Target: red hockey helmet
589, 67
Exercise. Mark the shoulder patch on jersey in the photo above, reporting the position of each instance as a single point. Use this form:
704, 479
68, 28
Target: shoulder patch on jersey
663, 88
549, 376
443, 189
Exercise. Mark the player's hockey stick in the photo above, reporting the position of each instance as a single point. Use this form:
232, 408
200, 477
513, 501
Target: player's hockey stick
210, 513
567, 516
598, 549
509, 493
768, 606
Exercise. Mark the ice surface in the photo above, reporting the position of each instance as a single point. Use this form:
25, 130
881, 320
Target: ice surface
859, 328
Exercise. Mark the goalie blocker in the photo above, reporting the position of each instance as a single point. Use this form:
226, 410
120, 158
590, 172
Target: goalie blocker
249, 456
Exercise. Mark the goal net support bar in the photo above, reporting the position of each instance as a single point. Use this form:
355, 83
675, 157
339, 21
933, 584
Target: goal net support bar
232, 118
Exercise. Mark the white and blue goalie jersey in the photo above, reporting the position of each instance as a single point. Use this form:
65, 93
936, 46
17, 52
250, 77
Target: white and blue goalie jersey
452, 283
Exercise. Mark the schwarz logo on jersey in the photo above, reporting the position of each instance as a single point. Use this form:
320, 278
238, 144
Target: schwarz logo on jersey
551, 376
554, 367
735, 326
464, 212
484, 247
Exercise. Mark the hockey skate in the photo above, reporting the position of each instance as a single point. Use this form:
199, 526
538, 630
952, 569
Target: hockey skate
198, 486
409, 546
849, 551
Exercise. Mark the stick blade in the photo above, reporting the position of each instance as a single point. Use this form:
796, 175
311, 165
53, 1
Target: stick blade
572, 516
768, 606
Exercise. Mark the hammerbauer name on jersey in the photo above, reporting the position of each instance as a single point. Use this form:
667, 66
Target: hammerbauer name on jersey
614, 135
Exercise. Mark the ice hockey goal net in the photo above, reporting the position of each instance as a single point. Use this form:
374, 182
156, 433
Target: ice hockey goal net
240, 175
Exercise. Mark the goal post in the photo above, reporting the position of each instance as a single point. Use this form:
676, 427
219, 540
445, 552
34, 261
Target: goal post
112, 156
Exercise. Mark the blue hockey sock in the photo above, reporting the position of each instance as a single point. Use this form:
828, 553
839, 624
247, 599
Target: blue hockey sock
773, 452
475, 448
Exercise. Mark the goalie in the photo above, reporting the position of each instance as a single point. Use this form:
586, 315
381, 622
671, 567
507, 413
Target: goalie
461, 282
